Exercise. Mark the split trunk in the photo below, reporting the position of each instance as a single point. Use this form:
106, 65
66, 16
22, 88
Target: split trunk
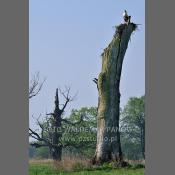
108, 136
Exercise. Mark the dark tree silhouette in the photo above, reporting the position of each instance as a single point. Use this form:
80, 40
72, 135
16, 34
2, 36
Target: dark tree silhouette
51, 134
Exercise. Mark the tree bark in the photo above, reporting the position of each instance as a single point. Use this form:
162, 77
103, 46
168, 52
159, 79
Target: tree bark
108, 137
56, 151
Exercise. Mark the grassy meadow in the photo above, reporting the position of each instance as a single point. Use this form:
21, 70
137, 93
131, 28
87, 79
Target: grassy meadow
48, 167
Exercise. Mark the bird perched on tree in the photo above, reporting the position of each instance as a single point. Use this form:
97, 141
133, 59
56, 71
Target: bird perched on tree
126, 17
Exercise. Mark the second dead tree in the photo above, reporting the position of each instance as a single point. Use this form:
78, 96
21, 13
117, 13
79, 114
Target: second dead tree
50, 135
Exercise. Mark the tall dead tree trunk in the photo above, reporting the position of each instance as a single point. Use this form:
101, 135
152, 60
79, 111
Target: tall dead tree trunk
108, 137
56, 151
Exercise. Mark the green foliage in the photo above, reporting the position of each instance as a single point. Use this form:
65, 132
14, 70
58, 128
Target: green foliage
42, 152
39, 153
32, 151
132, 127
108, 165
82, 136
133, 115
131, 149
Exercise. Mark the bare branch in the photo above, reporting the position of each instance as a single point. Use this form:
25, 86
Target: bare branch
76, 123
35, 85
66, 95
35, 135
37, 145
50, 114
95, 80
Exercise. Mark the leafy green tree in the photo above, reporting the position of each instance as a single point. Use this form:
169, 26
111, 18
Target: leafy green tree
81, 137
131, 149
42, 152
31, 152
132, 124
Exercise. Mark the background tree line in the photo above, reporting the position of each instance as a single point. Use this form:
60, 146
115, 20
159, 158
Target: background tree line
132, 130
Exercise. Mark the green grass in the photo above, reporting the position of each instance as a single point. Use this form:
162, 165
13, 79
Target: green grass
44, 169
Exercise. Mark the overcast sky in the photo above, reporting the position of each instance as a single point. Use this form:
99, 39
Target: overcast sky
66, 39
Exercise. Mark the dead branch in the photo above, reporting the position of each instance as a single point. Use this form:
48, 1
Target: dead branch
35, 85
95, 80
68, 98
37, 145
76, 123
